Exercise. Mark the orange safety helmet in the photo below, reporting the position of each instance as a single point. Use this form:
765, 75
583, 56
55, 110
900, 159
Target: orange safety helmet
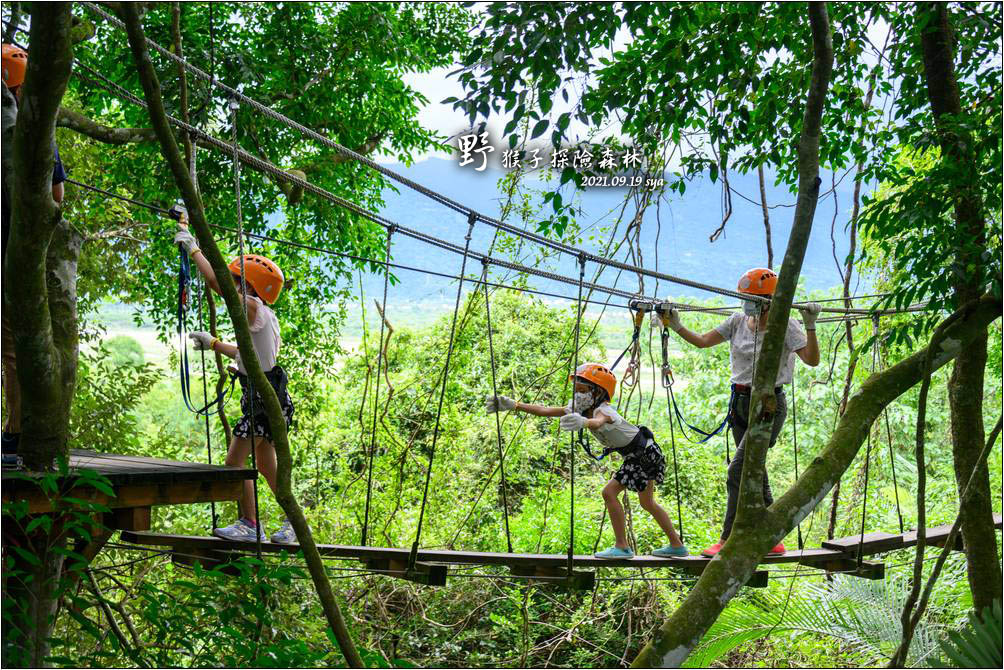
15, 64
263, 275
599, 375
758, 281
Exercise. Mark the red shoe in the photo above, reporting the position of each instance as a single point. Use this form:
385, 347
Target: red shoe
713, 549
778, 550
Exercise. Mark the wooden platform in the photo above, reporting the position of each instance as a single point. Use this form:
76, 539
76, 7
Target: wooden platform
138, 482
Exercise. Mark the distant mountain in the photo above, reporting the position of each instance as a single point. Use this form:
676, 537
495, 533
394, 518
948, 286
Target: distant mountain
680, 241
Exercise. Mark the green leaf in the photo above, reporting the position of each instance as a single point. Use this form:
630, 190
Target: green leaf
539, 129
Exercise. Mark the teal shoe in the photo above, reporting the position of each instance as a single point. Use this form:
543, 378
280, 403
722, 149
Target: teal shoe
614, 552
672, 552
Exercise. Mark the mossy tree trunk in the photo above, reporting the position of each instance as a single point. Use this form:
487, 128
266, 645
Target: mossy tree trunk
965, 387
235, 308
40, 299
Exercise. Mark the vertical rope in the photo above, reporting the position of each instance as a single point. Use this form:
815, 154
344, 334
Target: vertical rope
495, 392
205, 403
376, 390
868, 453
888, 430
572, 442
234, 106
471, 220
794, 440
676, 475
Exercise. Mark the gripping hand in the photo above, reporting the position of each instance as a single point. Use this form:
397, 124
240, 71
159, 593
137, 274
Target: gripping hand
499, 403
810, 311
201, 341
572, 422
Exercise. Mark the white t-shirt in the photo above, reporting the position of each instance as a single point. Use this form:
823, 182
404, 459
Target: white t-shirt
737, 333
264, 336
615, 434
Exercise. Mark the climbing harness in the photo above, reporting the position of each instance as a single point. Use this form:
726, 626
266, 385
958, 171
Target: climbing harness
184, 372
666, 377
663, 309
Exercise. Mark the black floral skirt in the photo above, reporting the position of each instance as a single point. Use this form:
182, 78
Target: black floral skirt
262, 428
641, 466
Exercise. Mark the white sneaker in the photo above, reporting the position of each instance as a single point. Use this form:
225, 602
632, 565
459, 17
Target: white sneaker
285, 534
240, 531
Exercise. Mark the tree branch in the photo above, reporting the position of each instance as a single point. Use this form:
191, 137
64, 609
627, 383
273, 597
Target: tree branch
235, 307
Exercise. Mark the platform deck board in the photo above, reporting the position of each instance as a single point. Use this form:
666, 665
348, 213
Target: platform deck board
693, 563
138, 481
465, 557
132, 470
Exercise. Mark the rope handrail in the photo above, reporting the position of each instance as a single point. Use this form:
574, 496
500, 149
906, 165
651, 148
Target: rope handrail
438, 197
724, 310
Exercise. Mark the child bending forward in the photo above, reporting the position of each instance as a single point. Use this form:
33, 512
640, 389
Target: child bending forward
644, 465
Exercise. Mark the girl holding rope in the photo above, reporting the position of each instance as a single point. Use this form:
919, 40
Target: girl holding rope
644, 465
744, 333
264, 281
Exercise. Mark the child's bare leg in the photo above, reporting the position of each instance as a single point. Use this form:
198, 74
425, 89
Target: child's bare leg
616, 512
648, 503
237, 456
264, 453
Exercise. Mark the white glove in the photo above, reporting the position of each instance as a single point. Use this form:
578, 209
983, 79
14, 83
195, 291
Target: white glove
572, 422
201, 341
186, 239
810, 311
674, 320
499, 403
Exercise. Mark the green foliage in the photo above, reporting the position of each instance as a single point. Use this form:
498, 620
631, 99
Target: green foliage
861, 616
978, 645
110, 385
282, 55
41, 560
125, 351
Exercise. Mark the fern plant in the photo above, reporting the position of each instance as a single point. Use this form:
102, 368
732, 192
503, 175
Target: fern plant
978, 645
861, 616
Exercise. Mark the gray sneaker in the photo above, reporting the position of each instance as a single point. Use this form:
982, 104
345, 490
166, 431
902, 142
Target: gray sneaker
240, 531
286, 534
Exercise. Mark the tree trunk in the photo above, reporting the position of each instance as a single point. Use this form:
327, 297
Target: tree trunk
235, 307
46, 347
755, 531
41, 302
965, 387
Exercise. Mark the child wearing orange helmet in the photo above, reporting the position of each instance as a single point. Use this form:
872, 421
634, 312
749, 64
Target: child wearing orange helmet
644, 465
744, 333
264, 282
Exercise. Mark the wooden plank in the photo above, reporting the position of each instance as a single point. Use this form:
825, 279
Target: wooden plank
430, 574
140, 495
870, 543
123, 470
690, 563
129, 518
581, 580
938, 535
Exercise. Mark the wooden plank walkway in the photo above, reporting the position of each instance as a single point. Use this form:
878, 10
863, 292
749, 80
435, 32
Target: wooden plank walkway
138, 481
694, 563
